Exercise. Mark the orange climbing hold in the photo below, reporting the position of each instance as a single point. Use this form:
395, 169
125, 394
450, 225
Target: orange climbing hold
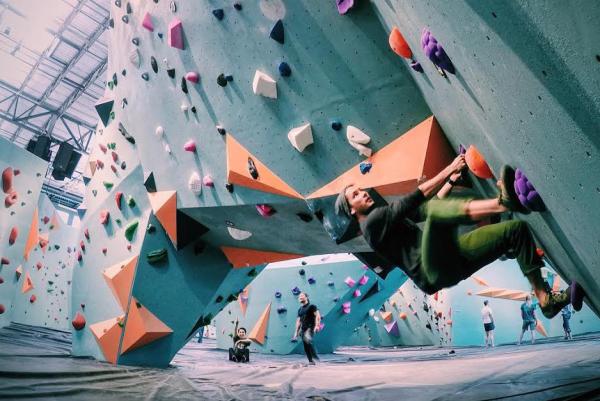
238, 172
245, 257
164, 206
78, 321
398, 44
27, 283
142, 327
477, 163
108, 335
480, 281
259, 331
119, 278
387, 316
402, 315
12, 237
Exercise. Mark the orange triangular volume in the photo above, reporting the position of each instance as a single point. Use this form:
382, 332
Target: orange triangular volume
55, 221
488, 292
32, 238
119, 278
164, 206
480, 281
259, 331
245, 257
397, 167
142, 327
243, 300
27, 283
108, 335
237, 172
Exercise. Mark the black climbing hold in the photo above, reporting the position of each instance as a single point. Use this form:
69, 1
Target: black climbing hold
193, 109
149, 183
151, 229
124, 72
252, 273
160, 35
219, 299
171, 72
301, 272
277, 33
252, 168
125, 19
284, 69
154, 64
229, 187
114, 79
221, 81
336, 125
231, 298
118, 3
135, 41
111, 23
125, 134
303, 263
184, 85
173, 6
221, 130
123, 165
145, 76
124, 102
319, 215
229, 78
128, 8
237, 6
304, 217
218, 13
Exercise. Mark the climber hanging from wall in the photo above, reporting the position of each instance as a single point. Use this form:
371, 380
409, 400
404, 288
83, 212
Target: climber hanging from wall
438, 257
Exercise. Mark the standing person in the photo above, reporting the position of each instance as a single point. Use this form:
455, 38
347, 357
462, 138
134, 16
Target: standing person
488, 323
200, 334
240, 351
566, 316
307, 324
529, 319
438, 257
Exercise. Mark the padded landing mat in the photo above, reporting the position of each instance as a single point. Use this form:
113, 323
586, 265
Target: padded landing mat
35, 364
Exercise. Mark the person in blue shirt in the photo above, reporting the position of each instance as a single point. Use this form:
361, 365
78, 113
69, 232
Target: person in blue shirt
529, 319
566, 316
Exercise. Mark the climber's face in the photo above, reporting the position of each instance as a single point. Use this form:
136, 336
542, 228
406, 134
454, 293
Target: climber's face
359, 200
241, 333
302, 298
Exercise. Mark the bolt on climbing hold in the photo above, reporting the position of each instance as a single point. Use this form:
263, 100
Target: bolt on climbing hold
252, 168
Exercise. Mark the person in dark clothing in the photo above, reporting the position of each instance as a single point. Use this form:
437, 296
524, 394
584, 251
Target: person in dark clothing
240, 351
307, 324
566, 316
438, 257
529, 319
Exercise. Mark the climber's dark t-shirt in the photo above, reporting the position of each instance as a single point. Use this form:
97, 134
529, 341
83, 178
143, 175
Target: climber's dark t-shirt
307, 314
392, 233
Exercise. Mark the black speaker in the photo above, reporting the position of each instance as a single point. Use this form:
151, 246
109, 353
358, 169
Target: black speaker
40, 147
65, 161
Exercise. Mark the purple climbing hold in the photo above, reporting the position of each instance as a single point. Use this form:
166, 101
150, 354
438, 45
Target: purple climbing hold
312, 280
435, 52
344, 6
527, 194
296, 291
415, 65
277, 294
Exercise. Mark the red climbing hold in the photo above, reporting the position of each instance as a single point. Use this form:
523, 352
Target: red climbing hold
14, 233
32, 299
265, 210
118, 199
86, 233
190, 146
11, 199
46, 219
78, 321
104, 216
39, 265
115, 156
7, 177
398, 44
540, 252
16, 172
82, 245
193, 77
477, 163
79, 256
103, 147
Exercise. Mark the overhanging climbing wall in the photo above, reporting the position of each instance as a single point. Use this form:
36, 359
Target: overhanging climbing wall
344, 292
525, 92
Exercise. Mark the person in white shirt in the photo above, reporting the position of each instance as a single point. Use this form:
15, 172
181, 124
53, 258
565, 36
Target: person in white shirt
488, 324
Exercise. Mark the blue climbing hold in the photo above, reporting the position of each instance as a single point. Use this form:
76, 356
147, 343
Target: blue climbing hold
284, 69
365, 167
296, 291
277, 294
219, 13
277, 33
312, 280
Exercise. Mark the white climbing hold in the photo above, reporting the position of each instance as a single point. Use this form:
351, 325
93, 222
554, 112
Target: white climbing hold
184, 107
208, 181
358, 140
135, 58
301, 137
238, 234
264, 85
160, 131
195, 184
167, 148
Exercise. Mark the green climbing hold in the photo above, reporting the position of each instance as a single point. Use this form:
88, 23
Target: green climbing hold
130, 230
252, 273
108, 185
156, 256
130, 201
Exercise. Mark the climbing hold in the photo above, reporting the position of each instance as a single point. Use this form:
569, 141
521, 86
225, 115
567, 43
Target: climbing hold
398, 44
78, 321
145, 76
218, 13
435, 52
208, 181
32, 299
305, 217
221, 130
264, 85
358, 139
193, 109
128, 8
363, 280
82, 245
130, 230
126, 135
229, 187
356, 293
11, 199
346, 308
312, 280
238, 234
219, 299
277, 32
277, 294
193, 77
301, 137
7, 179
284, 69
195, 183
2, 309
330, 283
5, 261
147, 22
104, 108
86, 234
402, 315
184, 87
160, 131
175, 37
302, 272
281, 309
477, 163
296, 291
415, 65
113, 168
265, 210
392, 328
350, 282
173, 6
237, 6
221, 80
136, 59
365, 167
252, 168
12, 237
156, 256
171, 72
336, 125
108, 185
184, 107
190, 146
135, 41
125, 19
154, 64
104, 216
527, 194
344, 6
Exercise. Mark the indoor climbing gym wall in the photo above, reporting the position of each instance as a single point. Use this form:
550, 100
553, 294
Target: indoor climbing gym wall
45, 293
22, 176
520, 82
505, 288
344, 292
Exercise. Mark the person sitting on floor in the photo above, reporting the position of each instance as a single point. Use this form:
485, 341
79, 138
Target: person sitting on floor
240, 351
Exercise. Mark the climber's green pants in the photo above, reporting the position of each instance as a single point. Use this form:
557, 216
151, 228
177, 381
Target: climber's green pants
448, 257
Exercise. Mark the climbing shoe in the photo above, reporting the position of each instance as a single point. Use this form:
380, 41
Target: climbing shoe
508, 196
555, 303
577, 294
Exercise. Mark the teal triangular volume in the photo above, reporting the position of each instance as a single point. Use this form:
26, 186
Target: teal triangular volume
372, 291
103, 108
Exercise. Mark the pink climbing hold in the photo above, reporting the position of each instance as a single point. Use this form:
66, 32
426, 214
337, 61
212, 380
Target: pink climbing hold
208, 181
265, 210
344, 6
350, 282
103, 147
11, 199
119, 199
12, 237
193, 77
46, 219
147, 22
86, 233
363, 280
190, 146
176, 34
356, 293
82, 245
78, 321
79, 256
104, 216
346, 308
